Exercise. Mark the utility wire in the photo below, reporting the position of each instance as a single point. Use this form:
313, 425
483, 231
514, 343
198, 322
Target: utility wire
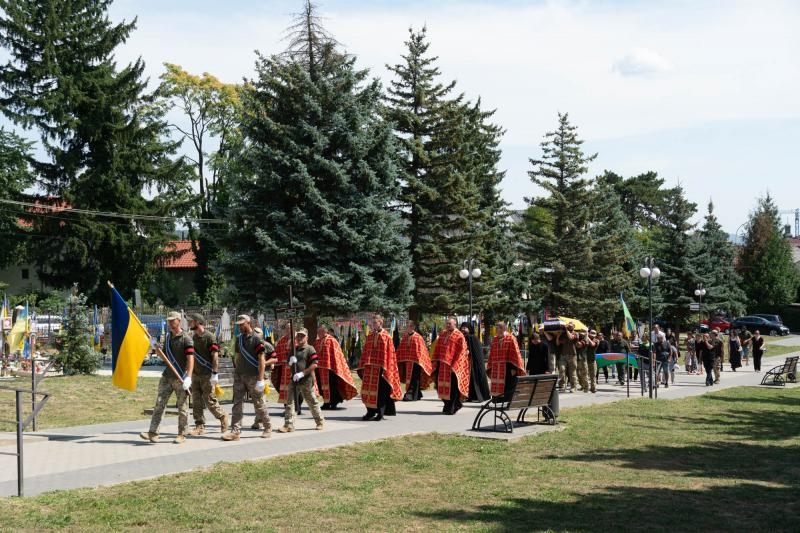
60, 209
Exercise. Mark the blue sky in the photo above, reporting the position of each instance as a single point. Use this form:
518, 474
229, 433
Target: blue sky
702, 92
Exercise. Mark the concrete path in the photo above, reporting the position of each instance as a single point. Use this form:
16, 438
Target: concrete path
106, 454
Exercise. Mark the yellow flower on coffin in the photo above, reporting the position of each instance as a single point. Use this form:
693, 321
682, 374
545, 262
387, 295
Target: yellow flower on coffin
219, 392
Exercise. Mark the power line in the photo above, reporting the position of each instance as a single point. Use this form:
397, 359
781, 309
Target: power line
108, 214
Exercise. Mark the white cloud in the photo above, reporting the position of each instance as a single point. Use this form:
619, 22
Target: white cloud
641, 62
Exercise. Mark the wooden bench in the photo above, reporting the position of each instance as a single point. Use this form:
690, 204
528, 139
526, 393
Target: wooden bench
782, 373
530, 392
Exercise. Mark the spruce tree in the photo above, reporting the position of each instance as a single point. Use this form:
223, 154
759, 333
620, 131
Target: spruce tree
309, 203
439, 198
614, 269
671, 250
562, 252
711, 258
105, 144
769, 276
15, 176
76, 355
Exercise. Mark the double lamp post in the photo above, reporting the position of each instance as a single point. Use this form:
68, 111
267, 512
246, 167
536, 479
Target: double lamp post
650, 271
470, 272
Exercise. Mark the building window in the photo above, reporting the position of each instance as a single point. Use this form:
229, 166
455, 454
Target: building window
26, 273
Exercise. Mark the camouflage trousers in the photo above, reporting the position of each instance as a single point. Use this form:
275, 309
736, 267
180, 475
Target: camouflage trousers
568, 370
306, 388
202, 398
587, 373
166, 386
244, 385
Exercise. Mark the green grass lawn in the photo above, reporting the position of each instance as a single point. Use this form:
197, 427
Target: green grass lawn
724, 461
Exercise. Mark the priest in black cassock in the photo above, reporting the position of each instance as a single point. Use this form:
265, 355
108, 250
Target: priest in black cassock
478, 382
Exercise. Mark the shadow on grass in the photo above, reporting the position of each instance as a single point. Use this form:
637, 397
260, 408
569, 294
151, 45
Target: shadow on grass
745, 507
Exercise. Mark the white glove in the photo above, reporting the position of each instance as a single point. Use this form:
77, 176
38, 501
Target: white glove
259, 386
297, 377
293, 360
187, 383
214, 379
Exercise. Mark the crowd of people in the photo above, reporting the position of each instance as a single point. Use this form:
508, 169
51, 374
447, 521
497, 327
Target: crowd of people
302, 372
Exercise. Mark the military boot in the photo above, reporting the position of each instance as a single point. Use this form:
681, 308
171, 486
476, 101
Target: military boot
180, 438
224, 423
198, 430
267, 433
146, 435
231, 435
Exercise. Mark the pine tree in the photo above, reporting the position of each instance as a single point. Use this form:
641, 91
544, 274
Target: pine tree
309, 204
671, 250
711, 258
15, 176
440, 197
105, 143
769, 277
614, 269
562, 252
76, 355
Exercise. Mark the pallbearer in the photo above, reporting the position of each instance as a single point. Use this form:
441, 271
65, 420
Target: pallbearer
451, 367
413, 363
505, 361
333, 375
380, 385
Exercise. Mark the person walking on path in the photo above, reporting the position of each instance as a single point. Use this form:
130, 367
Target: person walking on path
333, 374
478, 382
619, 345
179, 350
539, 356
719, 353
758, 350
603, 346
305, 357
735, 350
205, 376
568, 341
451, 366
746, 339
413, 363
505, 362
705, 352
252, 356
380, 381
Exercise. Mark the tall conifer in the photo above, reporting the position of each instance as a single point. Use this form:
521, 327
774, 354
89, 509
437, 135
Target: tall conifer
105, 145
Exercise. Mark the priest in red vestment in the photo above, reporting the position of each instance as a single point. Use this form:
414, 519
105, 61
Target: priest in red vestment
451, 366
333, 375
380, 385
505, 361
413, 363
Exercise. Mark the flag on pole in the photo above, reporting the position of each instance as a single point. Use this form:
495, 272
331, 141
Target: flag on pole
130, 343
16, 337
628, 325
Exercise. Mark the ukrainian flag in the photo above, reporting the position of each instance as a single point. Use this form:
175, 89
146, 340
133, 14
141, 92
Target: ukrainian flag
130, 343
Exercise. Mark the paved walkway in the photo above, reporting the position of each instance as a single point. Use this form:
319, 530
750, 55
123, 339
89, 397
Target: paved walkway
106, 454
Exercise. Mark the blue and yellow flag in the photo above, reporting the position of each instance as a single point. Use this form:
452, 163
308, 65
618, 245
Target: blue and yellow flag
628, 325
130, 343
19, 331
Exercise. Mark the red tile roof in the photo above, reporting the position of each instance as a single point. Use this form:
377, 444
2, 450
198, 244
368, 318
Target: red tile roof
183, 258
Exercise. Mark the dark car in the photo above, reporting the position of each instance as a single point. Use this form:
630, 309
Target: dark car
771, 318
752, 323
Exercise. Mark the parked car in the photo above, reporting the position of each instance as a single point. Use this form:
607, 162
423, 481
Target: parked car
718, 322
752, 323
772, 318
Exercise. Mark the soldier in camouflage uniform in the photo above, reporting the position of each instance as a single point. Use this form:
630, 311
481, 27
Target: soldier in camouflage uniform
205, 376
568, 341
305, 359
252, 356
179, 349
583, 368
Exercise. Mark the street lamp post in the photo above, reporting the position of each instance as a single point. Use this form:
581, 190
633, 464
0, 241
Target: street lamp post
470, 272
699, 292
650, 271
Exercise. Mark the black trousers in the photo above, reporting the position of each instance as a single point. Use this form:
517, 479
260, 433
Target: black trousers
413, 393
